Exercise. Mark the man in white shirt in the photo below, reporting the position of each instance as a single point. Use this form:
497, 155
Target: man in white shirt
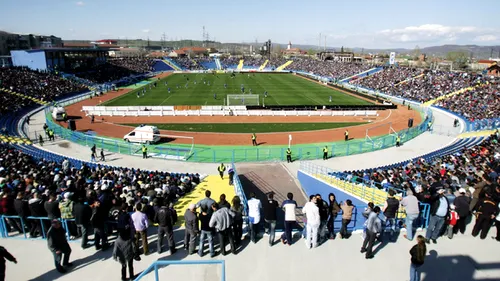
313, 221
254, 207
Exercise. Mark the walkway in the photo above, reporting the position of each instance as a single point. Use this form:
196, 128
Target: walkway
463, 258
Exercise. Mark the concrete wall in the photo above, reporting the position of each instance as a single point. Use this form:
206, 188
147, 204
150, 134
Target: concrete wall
312, 185
32, 60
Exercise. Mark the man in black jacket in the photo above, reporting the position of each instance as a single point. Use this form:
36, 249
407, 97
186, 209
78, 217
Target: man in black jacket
98, 221
486, 212
82, 213
462, 203
22, 210
52, 207
440, 209
323, 215
37, 210
58, 245
270, 209
166, 219
4, 254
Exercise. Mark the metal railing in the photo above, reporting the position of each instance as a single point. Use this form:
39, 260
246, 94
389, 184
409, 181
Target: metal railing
157, 264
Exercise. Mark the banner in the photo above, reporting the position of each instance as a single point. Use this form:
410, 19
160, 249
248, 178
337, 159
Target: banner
392, 58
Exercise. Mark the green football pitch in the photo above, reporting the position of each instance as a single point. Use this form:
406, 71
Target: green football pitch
210, 89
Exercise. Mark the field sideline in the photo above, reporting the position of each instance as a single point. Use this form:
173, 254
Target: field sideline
199, 89
250, 127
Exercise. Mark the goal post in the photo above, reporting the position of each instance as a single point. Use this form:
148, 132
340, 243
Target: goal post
248, 99
386, 128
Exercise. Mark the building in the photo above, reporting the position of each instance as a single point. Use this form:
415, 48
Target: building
191, 52
11, 41
293, 51
339, 56
494, 70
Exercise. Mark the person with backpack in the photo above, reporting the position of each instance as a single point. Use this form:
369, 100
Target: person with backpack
417, 253
166, 219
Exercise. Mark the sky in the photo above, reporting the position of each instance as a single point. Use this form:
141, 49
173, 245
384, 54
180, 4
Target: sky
366, 24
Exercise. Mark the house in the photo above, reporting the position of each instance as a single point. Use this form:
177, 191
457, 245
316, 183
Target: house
191, 52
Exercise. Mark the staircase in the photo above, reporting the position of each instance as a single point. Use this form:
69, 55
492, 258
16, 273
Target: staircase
14, 140
409, 79
24, 96
263, 65
172, 64
218, 63
431, 102
282, 67
240, 65
363, 74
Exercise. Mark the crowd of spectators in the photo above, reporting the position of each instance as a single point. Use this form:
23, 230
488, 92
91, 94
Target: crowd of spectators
32, 187
190, 64
387, 78
460, 170
482, 102
432, 85
135, 64
331, 69
44, 86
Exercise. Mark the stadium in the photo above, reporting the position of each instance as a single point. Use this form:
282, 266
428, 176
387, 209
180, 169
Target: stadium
89, 138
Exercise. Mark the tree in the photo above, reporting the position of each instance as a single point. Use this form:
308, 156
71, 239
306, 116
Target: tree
459, 59
416, 52
276, 51
311, 52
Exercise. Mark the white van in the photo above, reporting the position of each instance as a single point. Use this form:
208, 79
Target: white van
58, 113
143, 134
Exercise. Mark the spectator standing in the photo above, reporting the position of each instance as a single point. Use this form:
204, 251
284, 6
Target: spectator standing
270, 209
206, 231
452, 221
58, 245
462, 203
373, 227
166, 219
52, 207
98, 221
237, 226
82, 213
366, 214
486, 212
5, 255
417, 253
497, 224
390, 209
123, 252
223, 202
141, 225
230, 173
333, 210
192, 229
347, 210
66, 209
221, 220
311, 211
36, 208
289, 206
438, 213
206, 203
323, 215
410, 203
254, 207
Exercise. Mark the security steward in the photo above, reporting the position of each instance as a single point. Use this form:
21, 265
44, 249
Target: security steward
144, 152
51, 135
325, 153
429, 125
398, 141
289, 155
254, 139
221, 169
346, 135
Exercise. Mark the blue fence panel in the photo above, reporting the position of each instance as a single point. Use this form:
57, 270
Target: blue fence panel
157, 264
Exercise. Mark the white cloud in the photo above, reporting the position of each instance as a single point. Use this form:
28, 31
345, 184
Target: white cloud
486, 38
80, 3
428, 33
145, 30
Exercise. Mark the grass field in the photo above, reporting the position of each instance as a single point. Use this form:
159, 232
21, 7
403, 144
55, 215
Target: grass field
282, 89
251, 127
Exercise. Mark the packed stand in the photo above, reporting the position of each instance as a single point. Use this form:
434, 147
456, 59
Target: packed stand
432, 85
137, 65
330, 69
44, 86
387, 78
105, 73
483, 102
191, 64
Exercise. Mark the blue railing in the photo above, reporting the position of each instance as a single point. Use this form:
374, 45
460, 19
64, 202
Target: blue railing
157, 264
